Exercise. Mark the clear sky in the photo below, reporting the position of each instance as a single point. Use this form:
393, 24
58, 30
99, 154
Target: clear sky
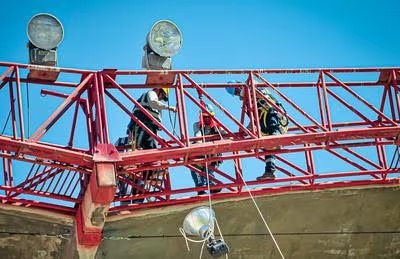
217, 34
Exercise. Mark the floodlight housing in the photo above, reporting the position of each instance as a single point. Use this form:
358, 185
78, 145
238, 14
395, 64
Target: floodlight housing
163, 41
45, 32
165, 38
200, 222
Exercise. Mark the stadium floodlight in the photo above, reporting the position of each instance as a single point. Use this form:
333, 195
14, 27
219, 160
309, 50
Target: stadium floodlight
200, 222
163, 41
45, 32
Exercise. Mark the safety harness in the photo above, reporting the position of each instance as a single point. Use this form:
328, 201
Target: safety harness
265, 111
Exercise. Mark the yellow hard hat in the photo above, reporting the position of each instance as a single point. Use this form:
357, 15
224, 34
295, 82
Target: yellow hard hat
166, 91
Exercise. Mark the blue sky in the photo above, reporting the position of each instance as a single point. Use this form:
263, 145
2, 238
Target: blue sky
216, 35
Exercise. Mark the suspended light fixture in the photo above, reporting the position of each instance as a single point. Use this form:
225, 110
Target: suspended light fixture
45, 32
200, 223
163, 42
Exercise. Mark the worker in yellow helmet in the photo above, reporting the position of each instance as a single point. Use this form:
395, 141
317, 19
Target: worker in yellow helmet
151, 102
141, 139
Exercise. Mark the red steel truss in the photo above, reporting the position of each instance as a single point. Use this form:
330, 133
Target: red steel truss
343, 131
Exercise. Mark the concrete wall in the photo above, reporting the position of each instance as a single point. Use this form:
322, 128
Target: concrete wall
343, 223
346, 223
28, 233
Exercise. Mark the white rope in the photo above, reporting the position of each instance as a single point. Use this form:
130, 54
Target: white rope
210, 233
193, 240
201, 250
220, 233
207, 172
210, 205
208, 185
258, 209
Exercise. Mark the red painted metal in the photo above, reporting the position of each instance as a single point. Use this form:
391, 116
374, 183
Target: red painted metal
86, 236
355, 123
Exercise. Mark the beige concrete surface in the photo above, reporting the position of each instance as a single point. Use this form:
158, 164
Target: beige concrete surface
346, 223
35, 234
342, 223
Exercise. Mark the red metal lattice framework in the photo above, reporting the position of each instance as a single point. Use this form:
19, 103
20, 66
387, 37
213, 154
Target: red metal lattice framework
343, 131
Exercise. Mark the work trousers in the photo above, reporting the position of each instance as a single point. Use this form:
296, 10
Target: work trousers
271, 128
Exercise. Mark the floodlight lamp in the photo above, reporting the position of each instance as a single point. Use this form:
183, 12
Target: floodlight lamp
200, 222
163, 41
165, 38
45, 31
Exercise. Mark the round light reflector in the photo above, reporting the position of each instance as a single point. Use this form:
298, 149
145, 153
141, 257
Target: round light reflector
165, 38
45, 31
199, 222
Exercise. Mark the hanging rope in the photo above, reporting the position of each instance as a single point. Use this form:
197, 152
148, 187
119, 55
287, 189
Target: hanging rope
208, 176
258, 209
210, 234
173, 124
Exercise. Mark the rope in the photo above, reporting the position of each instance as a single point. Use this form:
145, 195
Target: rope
201, 250
208, 185
173, 124
258, 209
207, 173
210, 233
220, 233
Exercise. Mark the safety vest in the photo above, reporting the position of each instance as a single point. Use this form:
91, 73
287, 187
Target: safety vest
144, 101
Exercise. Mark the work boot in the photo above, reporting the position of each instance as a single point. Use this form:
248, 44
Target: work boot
201, 192
269, 175
138, 201
215, 190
